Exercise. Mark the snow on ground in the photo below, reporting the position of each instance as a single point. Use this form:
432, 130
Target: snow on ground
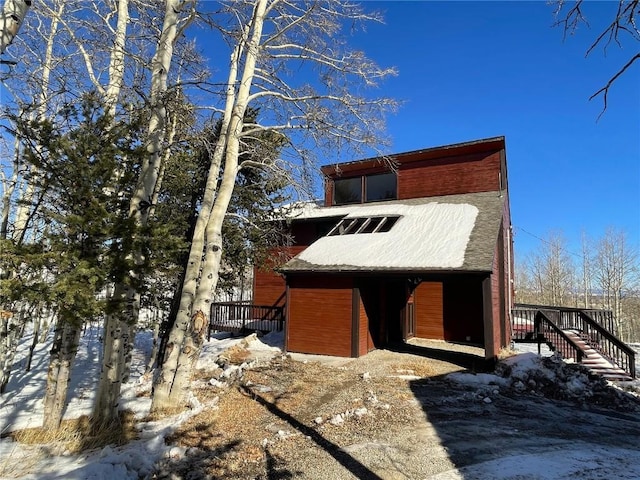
21, 407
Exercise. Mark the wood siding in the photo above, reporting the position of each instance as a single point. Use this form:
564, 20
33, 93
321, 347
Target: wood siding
501, 291
450, 309
269, 287
474, 173
448, 170
429, 310
320, 315
365, 344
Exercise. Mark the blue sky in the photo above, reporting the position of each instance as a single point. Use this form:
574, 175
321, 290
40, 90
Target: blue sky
471, 70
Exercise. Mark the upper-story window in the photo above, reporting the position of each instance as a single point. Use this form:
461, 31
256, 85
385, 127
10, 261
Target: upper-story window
347, 190
365, 188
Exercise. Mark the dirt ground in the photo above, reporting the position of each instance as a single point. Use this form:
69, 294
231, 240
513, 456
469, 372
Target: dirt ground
387, 415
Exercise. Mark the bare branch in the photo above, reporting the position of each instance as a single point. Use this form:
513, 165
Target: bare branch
623, 22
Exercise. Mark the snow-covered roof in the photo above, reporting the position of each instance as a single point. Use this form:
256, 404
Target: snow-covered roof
455, 232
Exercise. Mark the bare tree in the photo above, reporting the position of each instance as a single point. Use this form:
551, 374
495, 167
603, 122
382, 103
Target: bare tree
553, 271
118, 328
586, 271
616, 274
268, 37
623, 24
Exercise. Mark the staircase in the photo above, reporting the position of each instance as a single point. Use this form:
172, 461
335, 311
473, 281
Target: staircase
584, 335
596, 362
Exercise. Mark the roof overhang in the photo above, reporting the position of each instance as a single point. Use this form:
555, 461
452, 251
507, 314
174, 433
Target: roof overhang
436, 234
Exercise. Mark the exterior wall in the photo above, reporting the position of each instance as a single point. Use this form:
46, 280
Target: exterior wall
450, 176
450, 309
365, 341
319, 315
448, 170
429, 310
269, 287
501, 291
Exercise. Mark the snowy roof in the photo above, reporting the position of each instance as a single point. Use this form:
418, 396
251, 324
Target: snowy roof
454, 232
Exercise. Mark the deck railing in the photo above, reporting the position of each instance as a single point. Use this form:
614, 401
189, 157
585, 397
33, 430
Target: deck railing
545, 324
567, 318
244, 317
548, 332
607, 344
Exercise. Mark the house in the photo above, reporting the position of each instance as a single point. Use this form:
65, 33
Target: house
418, 246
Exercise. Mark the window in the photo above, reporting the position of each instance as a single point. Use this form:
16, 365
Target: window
350, 226
365, 188
381, 187
347, 190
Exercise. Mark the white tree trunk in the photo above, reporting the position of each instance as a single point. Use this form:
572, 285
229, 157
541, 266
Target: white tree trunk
119, 328
11, 19
9, 338
116, 61
63, 352
24, 210
187, 336
8, 187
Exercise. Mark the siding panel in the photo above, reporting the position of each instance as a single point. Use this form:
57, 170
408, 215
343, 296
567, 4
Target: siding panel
429, 310
450, 176
320, 316
269, 286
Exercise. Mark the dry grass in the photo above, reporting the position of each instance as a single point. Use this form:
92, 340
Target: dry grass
78, 435
236, 355
244, 434
506, 352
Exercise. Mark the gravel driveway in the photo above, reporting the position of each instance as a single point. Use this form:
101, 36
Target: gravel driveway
391, 415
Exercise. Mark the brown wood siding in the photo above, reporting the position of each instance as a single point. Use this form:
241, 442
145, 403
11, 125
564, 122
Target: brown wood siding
504, 287
496, 316
320, 315
450, 176
429, 310
365, 339
509, 290
269, 286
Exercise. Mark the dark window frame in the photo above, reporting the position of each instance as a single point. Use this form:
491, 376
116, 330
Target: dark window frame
364, 194
344, 180
366, 189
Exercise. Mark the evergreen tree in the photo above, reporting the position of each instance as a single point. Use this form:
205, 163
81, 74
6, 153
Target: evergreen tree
86, 166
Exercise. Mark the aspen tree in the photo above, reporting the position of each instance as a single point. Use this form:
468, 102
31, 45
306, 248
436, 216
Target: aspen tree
270, 35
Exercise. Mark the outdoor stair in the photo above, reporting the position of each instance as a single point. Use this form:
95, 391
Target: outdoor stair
595, 361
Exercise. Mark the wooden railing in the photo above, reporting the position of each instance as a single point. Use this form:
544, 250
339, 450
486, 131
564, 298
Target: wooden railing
548, 332
545, 324
607, 344
567, 318
245, 317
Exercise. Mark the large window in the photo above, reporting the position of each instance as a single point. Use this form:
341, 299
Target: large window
347, 190
365, 188
381, 187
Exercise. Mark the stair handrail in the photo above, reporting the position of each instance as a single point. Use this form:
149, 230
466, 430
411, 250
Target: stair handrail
569, 344
628, 363
608, 323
